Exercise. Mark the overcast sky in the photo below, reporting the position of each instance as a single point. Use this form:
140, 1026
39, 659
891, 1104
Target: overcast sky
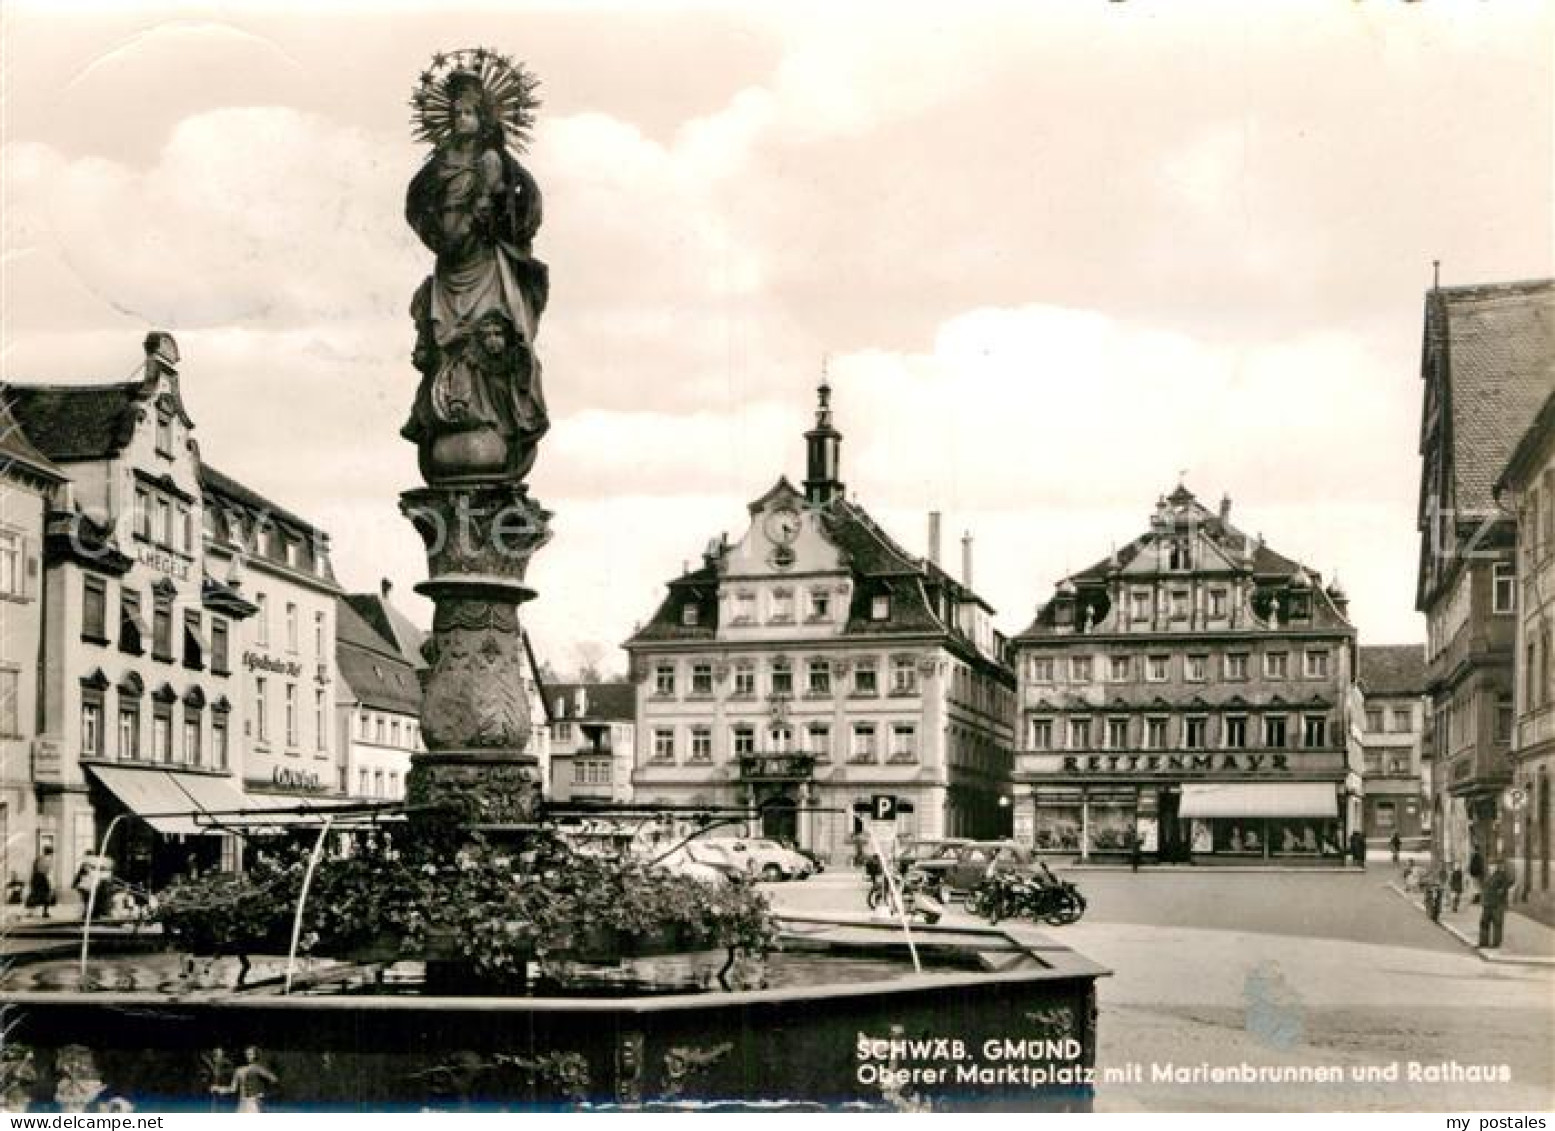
1058, 254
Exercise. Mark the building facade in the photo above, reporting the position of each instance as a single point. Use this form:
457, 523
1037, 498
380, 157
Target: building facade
1485, 368
1527, 487
138, 696
286, 650
177, 608
30, 486
593, 737
378, 704
1391, 728
1189, 691
814, 664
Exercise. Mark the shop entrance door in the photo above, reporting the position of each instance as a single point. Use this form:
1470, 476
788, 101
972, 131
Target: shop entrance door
1173, 834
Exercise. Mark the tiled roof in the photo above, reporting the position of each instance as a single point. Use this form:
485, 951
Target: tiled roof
1392, 669
1500, 342
604, 702
15, 446
69, 423
219, 483
1539, 433
372, 668
701, 586
393, 627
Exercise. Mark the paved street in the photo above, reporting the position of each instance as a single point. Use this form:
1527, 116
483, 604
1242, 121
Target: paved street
1222, 968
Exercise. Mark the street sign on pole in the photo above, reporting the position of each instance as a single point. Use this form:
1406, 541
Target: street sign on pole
882, 807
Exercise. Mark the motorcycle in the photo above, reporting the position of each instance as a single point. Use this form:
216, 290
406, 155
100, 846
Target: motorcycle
1040, 896
921, 894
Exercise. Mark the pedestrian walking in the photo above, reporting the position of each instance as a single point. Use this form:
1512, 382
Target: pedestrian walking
1358, 848
40, 889
1477, 873
1455, 883
1492, 915
1136, 851
1395, 844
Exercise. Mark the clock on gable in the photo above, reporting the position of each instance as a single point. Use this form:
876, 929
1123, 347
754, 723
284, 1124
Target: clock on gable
782, 525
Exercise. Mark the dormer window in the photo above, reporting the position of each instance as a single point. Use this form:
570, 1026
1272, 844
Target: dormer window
880, 607
1178, 556
688, 614
1300, 606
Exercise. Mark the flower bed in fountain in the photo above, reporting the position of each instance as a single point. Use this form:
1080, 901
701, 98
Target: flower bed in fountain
478, 915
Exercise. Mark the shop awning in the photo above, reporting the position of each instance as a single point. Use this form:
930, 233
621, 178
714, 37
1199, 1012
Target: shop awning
169, 801
1286, 799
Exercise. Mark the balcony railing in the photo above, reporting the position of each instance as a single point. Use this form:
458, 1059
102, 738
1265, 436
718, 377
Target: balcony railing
776, 767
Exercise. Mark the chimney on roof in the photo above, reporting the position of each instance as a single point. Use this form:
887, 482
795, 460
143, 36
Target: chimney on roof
385, 587
1225, 508
580, 702
934, 537
161, 354
966, 559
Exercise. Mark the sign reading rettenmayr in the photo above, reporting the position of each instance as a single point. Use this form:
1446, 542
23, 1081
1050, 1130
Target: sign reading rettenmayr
1183, 762
258, 661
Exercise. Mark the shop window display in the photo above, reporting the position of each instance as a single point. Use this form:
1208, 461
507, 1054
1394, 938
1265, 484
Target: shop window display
1111, 825
1058, 828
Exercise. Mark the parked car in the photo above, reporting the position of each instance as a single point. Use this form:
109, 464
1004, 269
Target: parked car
764, 859
709, 867
963, 866
911, 852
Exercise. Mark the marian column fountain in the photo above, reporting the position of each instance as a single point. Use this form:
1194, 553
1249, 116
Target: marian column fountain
477, 420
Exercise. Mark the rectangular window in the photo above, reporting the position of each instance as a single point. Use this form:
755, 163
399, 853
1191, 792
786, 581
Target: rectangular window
291, 627
1041, 669
142, 514
1157, 668
291, 714
1276, 665
262, 621
904, 742
863, 743
219, 743
782, 677
1317, 664
130, 624
1079, 734
904, 675
261, 713
701, 744
1079, 669
781, 740
1504, 717
94, 610
820, 604
219, 656
1042, 734
1117, 734
91, 729
1314, 731
880, 607
191, 750
1179, 604
1503, 586
689, 614
865, 681
194, 649
1217, 604
320, 727
1155, 734
1236, 732
1274, 732
186, 520
818, 677
744, 740
163, 530
1122, 669
664, 744
818, 741
162, 627
129, 733
1197, 669
164, 435
745, 679
1195, 730
365, 779
1141, 604
744, 608
664, 681
1236, 666
701, 679
318, 636
1374, 720
783, 606
1403, 721
162, 736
